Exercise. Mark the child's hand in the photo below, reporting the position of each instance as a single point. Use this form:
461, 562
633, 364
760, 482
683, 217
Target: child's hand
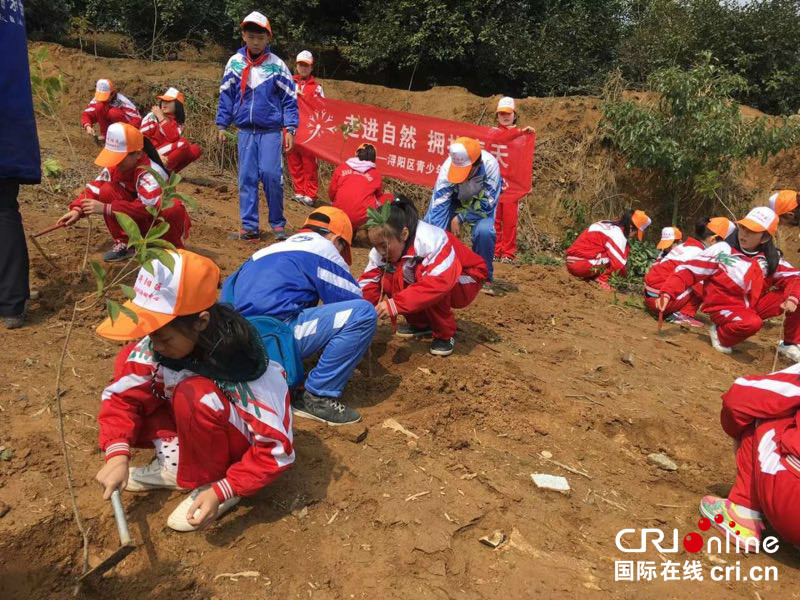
382, 308
157, 113
221, 136
88, 129
204, 509
92, 207
661, 303
113, 475
288, 142
455, 226
790, 304
70, 218
528, 129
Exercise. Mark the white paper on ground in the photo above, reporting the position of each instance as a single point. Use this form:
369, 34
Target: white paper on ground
550, 482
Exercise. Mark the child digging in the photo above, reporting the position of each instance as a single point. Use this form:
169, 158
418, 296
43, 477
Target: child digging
108, 106
198, 386
163, 126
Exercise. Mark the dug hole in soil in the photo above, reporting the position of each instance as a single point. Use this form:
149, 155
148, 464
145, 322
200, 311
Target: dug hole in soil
536, 369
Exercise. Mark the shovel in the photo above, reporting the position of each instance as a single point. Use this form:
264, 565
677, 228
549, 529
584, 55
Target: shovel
660, 321
126, 546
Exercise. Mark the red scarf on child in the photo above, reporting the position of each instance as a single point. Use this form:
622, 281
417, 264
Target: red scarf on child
250, 64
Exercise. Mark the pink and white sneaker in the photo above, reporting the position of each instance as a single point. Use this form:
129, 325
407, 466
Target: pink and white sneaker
685, 320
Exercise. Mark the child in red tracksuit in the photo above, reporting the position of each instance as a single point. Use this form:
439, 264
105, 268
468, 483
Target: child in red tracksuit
736, 275
762, 415
420, 271
303, 164
683, 308
356, 185
108, 106
163, 126
199, 387
505, 219
125, 186
602, 249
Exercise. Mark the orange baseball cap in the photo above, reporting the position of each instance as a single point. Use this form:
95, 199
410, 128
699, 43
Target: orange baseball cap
761, 218
506, 105
721, 226
668, 237
642, 222
172, 94
335, 221
784, 201
103, 90
257, 18
464, 151
121, 140
190, 287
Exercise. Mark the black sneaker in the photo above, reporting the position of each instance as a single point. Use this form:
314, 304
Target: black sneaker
245, 234
280, 234
443, 347
325, 410
118, 253
407, 331
488, 288
14, 322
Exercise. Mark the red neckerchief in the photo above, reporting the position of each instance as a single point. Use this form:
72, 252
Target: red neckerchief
250, 64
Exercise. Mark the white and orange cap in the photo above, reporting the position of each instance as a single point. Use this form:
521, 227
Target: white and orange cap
761, 218
257, 18
172, 94
641, 221
784, 201
464, 151
305, 57
506, 105
668, 237
188, 288
721, 226
121, 140
103, 90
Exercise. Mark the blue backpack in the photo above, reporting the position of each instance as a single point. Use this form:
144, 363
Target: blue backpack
277, 337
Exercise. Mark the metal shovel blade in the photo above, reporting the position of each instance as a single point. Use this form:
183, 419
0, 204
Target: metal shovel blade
109, 563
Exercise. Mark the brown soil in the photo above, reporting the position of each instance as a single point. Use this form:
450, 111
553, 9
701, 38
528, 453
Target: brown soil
538, 368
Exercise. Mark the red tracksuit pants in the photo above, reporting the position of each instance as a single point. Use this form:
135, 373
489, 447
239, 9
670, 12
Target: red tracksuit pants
184, 155
121, 200
303, 169
736, 324
505, 224
687, 303
108, 115
209, 442
440, 316
588, 269
764, 484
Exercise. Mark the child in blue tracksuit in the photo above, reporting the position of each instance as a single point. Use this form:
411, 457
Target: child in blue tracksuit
258, 95
287, 281
466, 191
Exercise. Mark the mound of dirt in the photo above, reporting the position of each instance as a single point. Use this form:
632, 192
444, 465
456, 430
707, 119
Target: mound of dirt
537, 385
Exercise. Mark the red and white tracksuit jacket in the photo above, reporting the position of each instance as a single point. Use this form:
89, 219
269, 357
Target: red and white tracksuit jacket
687, 302
599, 251
167, 137
355, 186
237, 437
131, 193
736, 293
436, 274
302, 164
763, 413
116, 110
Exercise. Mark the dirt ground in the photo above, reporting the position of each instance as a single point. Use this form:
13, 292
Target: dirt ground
538, 369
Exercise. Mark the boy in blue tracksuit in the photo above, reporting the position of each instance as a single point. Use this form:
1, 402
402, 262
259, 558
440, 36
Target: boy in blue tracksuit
258, 95
466, 191
287, 281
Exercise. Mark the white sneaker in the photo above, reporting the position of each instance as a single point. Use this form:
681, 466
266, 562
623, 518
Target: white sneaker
712, 331
177, 520
151, 477
307, 200
790, 351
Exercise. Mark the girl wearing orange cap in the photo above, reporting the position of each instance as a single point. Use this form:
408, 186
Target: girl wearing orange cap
108, 106
602, 249
784, 203
198, 386
125, 186
505, 221
734, 274
163, 126
303, 164
419, 271
683, 309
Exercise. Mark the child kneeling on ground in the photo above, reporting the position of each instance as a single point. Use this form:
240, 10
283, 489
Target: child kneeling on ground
420, 271
125, 186
199, 387
164, 127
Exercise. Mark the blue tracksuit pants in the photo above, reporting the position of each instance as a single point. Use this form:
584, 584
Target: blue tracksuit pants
342, 331
260, 160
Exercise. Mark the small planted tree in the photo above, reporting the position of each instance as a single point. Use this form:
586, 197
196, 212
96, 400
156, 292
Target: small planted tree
694, 136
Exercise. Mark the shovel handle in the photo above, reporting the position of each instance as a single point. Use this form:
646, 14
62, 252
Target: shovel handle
660, 320
49, 229
119, 517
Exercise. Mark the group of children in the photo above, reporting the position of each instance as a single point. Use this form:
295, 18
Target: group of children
736, 275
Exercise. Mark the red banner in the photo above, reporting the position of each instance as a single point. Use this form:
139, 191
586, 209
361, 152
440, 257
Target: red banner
410, 147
